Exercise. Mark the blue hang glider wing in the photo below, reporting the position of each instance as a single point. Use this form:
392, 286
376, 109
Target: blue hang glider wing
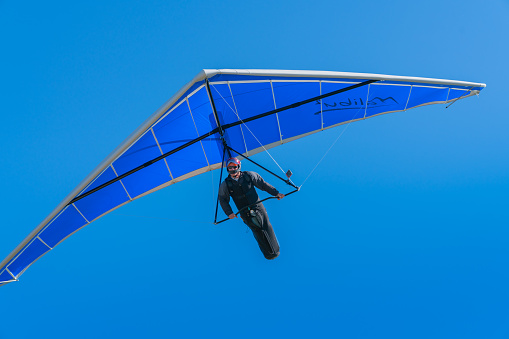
252, 109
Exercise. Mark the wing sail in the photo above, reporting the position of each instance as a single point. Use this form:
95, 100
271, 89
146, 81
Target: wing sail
256, 109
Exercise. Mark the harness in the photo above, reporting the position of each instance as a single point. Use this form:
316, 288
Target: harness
243, 193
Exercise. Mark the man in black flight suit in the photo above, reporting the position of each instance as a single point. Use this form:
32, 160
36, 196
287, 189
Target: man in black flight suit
241, 187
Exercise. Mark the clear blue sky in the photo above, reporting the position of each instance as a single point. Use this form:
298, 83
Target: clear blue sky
402, 231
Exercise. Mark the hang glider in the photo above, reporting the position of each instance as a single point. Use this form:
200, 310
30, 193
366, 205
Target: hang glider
247, 110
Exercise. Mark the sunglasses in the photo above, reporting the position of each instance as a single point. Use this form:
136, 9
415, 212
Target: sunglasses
232, 167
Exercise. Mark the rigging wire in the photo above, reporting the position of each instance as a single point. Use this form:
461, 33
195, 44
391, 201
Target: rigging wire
335, 141
325, 154
234, 111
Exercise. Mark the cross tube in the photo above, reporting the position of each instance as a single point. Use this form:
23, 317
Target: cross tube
219, 130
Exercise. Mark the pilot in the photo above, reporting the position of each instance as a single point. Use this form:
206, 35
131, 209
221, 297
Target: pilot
240, 186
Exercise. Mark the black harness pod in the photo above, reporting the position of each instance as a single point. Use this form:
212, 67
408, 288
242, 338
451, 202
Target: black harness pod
255, 217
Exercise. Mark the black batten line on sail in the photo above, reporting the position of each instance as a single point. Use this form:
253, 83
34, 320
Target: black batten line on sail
300, 103
148, 163
219, 130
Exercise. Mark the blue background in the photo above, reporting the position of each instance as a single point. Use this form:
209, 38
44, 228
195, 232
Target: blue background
400, 232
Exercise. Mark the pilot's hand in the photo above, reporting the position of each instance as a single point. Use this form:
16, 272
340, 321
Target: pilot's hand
280, 196
232, 216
